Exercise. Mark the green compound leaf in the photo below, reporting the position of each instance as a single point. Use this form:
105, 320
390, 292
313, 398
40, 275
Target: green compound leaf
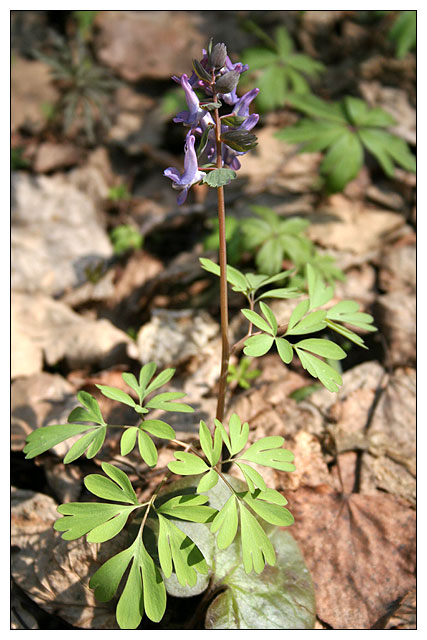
163, 378
158, 428
91, 441
144, 588
91, 404
128, 440
348, 311
284, 349
284, 293
187, 464
147, 448
268, 453
177, 551
346, 333
99, 521
319, 294
224, 434
225, 523
234, 276
258, 345
253, 478
207, 481
269, 315
219, 177
324, 348
116, 394
146, 373
238, 433
257, 549
132, 382
118, 488
211, 451
45, 438
269, 511
404, 32
310, 324
328, 376
163, 401
257, 320
188, 507
299, 311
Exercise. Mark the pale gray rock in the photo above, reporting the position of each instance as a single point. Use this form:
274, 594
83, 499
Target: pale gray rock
56, 235
43, 328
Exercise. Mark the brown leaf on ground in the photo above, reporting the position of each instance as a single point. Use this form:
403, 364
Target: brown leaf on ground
360, 551
36, 401
405, 616
350, 225
390, 464
396, 314
54, 572
148, 44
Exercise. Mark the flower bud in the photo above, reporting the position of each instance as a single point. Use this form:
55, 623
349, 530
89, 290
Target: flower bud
228, 82
218, 56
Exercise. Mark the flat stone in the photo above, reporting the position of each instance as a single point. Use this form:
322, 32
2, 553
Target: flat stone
149, 44
56, 235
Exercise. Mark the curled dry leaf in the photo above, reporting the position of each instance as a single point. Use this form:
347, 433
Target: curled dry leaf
55, 573
360, 551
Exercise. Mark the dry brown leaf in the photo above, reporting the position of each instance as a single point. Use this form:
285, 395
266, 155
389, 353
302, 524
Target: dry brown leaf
350, 225
54, 572
360, 551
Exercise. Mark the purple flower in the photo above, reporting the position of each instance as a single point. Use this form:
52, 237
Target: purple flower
192, 117
191, 173
241, 107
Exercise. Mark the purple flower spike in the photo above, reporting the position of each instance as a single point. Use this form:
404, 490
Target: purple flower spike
191, 173
194, 114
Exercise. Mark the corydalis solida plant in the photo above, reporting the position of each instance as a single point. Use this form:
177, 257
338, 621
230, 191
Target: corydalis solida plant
222, 140
162, 547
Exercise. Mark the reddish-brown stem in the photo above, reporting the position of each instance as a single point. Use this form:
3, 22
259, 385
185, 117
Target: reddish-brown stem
225, 354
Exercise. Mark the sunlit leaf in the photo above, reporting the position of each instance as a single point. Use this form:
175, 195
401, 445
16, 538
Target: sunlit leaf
225, 523
188, 507
147, 448
259, 345
187, 464
269, 453
257, 549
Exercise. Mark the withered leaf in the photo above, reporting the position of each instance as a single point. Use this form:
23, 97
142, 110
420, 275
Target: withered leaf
360, 551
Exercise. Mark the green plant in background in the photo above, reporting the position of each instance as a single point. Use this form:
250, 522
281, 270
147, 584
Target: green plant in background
233, 236
125, 237
85, 87
17, 160
344, 130
208, 531
279, 70
241, 374
118, 193
85, 20
404, 33
274, 239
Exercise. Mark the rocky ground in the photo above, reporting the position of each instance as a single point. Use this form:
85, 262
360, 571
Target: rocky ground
83, 313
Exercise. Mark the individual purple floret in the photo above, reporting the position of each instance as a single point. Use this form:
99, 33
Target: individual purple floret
191, 175
192, 117
241, 107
